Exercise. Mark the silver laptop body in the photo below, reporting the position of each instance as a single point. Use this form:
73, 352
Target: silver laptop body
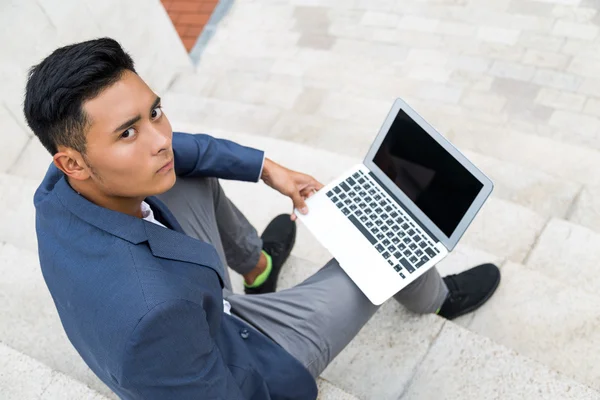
396, 215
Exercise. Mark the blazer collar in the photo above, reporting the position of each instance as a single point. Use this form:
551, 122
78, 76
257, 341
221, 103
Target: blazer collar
171, 244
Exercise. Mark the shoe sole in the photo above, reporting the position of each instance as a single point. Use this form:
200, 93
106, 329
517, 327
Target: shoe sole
482, 302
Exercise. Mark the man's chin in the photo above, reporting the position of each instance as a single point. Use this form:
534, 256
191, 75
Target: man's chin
166, 183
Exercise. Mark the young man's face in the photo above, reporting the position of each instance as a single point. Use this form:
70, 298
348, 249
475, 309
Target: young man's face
129, 140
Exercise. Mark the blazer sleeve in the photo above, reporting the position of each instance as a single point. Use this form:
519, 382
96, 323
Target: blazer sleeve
204, 155
171, 355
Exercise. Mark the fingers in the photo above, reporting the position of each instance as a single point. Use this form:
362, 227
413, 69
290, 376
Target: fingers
299, 203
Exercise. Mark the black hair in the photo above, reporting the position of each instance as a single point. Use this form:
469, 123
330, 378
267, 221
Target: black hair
59, 85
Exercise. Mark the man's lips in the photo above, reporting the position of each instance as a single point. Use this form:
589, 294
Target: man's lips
167, 166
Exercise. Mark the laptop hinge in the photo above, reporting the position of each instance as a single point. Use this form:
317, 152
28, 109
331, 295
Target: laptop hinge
402, 206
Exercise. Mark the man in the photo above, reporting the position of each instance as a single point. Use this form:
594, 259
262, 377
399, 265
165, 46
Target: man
140, 282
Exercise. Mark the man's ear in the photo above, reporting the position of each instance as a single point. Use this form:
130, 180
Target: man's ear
72, 164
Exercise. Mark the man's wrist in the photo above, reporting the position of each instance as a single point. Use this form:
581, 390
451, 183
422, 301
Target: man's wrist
267, 165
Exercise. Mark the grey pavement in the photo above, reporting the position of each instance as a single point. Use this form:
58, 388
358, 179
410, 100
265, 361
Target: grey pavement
515, 84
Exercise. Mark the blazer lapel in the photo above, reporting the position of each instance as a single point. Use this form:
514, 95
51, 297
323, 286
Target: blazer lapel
176, 245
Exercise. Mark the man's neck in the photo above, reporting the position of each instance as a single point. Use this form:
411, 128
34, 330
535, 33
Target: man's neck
126, 205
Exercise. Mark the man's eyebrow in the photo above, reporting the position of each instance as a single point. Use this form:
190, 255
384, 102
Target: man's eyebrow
135, 119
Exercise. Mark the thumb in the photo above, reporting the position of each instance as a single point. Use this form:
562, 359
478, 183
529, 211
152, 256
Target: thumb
299, 202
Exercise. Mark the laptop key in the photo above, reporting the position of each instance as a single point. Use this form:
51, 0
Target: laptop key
391, 248
395, 240
386, 242
340, 205
423, 244
395, 228
386, 255
418, 253
406, 240
345, 211
398, 255
390, 234
413, 259
412, 246
393, 214
343, 196
377, 197
330, 194
408, 266
352, 194
345, 186
379, 222
361, 180
347, 202
362, 229
422, 261
411, 232
337, 190
384, 228
368, 223
371, 191
380, 248
390, 209
382, 203
407, 253
402, 246
390, 262
372, 205
429, 251
397, 267
334, 199
353, 207
405, 226
380, 236
402, 276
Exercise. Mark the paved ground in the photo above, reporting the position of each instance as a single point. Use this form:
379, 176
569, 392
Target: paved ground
513, 83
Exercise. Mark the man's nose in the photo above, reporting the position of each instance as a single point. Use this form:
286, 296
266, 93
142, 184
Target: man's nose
161, 141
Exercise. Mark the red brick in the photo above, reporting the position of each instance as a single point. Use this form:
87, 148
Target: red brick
196, 19
189, 42
181, 29
185, 5
174, 15
193, 31
207, 7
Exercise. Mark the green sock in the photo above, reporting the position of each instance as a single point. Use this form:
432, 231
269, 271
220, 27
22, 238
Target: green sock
438, 310
265, 274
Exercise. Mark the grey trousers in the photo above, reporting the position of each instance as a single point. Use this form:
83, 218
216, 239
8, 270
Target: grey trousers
314, 320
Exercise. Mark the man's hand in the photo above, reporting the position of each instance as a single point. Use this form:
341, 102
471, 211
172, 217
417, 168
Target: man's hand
293, 184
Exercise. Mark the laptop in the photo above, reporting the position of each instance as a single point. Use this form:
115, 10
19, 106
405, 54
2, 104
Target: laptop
399, 213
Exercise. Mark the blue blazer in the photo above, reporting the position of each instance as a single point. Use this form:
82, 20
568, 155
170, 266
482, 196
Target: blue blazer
143, 304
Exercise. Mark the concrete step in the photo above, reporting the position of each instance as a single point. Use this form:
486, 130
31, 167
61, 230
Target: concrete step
44, 364
503, 227
401, 341
23, 377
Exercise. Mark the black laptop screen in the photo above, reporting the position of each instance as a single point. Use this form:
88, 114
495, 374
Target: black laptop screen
430, 176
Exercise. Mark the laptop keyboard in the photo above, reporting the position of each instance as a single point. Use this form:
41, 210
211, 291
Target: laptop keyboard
390, 230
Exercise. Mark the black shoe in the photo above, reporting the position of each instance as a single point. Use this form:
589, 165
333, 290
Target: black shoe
469, 290
278, 240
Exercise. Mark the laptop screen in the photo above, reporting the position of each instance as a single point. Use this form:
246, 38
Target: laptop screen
430, 176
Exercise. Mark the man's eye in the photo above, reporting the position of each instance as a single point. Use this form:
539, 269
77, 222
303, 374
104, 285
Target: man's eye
128, 133
157, 112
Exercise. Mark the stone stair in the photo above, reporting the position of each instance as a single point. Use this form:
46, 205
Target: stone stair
540, 311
